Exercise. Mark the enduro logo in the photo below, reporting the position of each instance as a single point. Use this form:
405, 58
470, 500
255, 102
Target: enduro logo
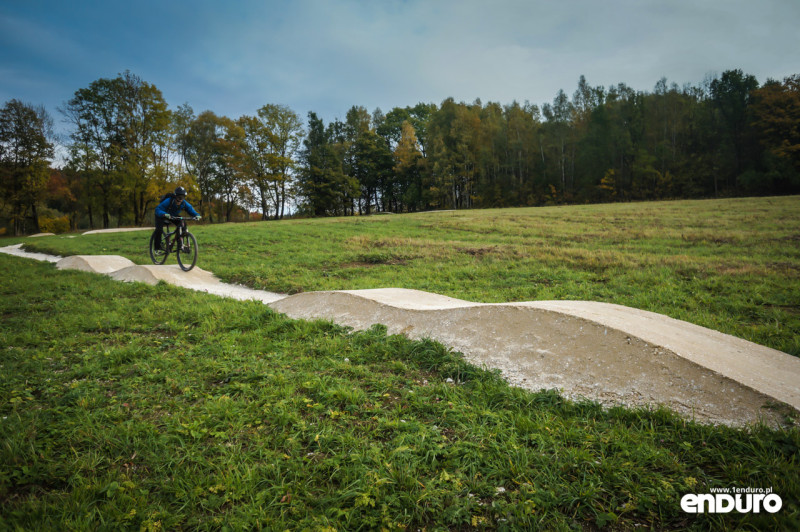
726, 500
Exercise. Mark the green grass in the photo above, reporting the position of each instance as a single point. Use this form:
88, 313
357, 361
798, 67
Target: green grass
730, 265
125, 406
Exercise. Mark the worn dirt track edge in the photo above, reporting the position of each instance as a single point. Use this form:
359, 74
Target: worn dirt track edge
608, 353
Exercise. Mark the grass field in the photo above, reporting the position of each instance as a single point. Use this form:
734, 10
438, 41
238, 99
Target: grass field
731, 265
125, 406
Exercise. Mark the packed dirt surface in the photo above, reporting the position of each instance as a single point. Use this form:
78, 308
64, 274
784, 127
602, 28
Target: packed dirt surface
607, 353
94, 263
19, 252
118, 230
196, 279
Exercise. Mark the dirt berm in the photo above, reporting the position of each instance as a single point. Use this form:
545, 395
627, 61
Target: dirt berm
608, 353
603, 352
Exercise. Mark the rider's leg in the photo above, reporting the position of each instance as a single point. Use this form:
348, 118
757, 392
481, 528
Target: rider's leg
159, 233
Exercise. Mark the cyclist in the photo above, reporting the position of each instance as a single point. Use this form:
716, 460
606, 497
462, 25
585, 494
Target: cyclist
172, 205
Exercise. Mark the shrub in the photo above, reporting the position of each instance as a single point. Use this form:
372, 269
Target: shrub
54, 225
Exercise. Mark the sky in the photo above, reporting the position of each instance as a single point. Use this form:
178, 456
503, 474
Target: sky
234, 56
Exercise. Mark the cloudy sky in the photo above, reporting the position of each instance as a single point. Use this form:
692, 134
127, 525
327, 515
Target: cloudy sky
233, 56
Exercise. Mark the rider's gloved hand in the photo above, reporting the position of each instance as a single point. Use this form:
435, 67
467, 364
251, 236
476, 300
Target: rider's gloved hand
198, 217
167, 216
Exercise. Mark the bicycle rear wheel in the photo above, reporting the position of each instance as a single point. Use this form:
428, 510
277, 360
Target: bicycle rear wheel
187, 252
158, 256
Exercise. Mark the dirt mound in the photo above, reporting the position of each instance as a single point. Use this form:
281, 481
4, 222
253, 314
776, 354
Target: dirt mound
94, 263
406, 298
542, 346
761, 368
196, 279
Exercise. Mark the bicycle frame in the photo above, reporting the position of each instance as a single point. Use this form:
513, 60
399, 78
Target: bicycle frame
180, 231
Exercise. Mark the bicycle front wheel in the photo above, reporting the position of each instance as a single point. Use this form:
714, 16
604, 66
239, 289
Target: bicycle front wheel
158, 256
187, 252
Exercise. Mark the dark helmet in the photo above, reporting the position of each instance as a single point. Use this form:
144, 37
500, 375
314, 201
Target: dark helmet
180, 191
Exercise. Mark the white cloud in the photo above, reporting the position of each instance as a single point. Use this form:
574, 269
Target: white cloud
401, 53
326, 56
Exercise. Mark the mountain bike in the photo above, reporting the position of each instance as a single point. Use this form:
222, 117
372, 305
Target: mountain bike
179, 241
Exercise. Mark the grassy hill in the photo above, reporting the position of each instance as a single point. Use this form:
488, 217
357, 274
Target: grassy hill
730, 265
126, 406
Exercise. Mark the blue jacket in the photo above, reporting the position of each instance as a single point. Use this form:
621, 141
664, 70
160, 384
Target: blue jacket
171, 207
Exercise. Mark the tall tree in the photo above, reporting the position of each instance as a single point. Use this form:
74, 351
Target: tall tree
368, 160
731, 96
272, 140
286, 135
145, 147
559, 126
418, 116
409, 169
25, 151
182, 119
523, 124
202, 144
776, 119
372, 166
121, 141
257, 149
357, 122
496, 170
323, 187
229, 168
92, 151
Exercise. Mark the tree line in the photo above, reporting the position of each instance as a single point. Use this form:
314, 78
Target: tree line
726, 136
